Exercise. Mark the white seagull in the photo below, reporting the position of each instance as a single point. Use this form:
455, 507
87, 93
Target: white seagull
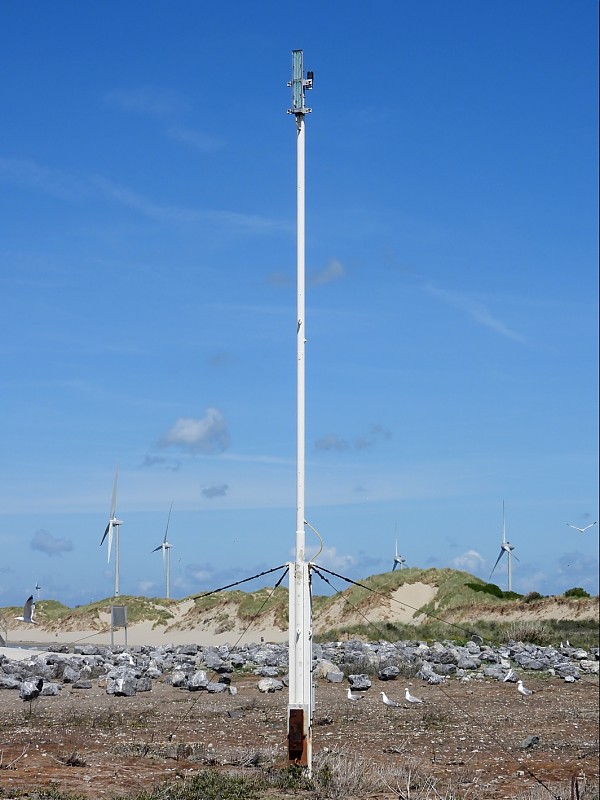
581, 530
523, 690
509, 675
353, 696
411, 698
28, 610
388, 702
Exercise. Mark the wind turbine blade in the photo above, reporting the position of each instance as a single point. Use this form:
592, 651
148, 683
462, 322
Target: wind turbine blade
503, 524
105, 534
113, 503
502, 551
168, 520
515, 558
160, 547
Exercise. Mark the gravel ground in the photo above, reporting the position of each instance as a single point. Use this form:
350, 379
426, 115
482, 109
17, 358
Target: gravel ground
468, 736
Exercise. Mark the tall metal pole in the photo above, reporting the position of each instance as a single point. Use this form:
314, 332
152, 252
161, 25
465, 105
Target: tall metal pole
300, 707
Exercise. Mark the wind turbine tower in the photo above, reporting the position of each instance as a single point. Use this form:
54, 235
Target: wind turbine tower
301, 698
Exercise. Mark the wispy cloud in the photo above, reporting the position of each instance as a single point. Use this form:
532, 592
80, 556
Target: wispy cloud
27, 174
51, 545
363, 441
201, 141
217, 490
207, 435
161, 461
251, 223
332, 271
475, 309
148, 100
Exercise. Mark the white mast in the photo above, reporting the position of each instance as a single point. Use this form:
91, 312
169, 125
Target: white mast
300, 707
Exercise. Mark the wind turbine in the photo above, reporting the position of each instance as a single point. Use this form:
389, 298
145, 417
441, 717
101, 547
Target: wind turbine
113, 525
166, 554
37, 589
581, 530
399, 561
505, 547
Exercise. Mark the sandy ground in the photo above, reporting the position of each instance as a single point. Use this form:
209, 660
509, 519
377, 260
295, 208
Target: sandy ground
466, 736
400, 608
184, 628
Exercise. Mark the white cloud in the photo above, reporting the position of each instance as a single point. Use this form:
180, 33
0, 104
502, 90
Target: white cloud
329, 557
471, 561
207, 435
333, 271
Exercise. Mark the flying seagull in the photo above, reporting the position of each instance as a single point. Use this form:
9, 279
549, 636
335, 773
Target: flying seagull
388, 702
353, 696
581, 530
411, 698
523, 690
28, 610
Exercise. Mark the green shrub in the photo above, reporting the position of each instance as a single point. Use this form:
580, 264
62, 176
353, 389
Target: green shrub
487, 588
576, 591
531, 596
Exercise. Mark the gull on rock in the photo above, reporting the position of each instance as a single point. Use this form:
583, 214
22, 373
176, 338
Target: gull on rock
388, 702
523, 690
28, 610
411, 698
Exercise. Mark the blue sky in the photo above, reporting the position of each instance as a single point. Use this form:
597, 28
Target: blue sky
147, 277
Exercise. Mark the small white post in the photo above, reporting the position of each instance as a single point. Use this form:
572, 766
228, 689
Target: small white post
300, 707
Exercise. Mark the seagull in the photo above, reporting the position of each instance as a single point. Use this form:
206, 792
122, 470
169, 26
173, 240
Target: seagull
28, 610
523, 690
581, 530
352, 696
30, 690
509, 675
410, 697
388, 702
